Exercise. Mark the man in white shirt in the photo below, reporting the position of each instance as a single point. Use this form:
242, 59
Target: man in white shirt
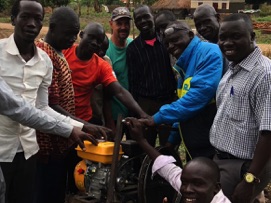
21, 111
198, 181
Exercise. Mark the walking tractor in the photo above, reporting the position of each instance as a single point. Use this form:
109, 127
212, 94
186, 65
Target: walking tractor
120, 172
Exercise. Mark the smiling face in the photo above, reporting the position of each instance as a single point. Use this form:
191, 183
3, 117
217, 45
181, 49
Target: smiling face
120, 28
144, 20
28, 21
177, 39
236, 41
207, 26
198, 183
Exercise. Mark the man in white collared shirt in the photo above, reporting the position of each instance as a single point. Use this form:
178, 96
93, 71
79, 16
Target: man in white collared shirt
19, 110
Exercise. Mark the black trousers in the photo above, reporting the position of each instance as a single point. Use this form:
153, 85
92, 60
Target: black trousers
20, 178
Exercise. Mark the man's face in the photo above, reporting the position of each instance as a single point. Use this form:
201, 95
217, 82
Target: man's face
144, 20
28, 22
197, 184
235, 40
120, 28
161, 22
177, 39
207, 26
91, 40
65, 34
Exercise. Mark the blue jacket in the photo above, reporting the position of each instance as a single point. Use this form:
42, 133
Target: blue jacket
201, 63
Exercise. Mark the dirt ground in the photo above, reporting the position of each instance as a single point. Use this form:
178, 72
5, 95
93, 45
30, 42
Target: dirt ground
6, 29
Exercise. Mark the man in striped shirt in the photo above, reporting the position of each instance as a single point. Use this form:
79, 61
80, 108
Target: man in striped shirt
151, 77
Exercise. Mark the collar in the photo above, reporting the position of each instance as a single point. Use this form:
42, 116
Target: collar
220, 197
185, 57
248, 63
12, 49
143, 43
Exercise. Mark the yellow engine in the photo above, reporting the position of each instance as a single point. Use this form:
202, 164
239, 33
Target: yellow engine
92, 173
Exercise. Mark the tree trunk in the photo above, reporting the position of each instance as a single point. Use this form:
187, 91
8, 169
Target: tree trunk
97, 6
79, 8
128, 3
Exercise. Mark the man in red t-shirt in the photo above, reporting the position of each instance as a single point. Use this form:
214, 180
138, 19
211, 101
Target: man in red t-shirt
88, 70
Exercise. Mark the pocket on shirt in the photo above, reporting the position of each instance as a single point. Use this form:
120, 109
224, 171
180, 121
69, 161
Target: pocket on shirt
238, 106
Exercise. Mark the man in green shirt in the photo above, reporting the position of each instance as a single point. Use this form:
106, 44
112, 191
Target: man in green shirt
120, 27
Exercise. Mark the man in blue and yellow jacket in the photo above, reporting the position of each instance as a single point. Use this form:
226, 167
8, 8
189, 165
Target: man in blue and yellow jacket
200, 65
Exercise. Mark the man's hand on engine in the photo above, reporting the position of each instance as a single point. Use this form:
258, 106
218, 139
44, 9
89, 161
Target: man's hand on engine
78, 137
99, 132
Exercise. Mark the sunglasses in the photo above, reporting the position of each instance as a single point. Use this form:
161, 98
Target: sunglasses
173, 29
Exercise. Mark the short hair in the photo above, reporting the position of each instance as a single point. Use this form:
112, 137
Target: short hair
210, 164
169, 15
141, 6
239, 16
63, 14
180, 23
15, 9
206, 8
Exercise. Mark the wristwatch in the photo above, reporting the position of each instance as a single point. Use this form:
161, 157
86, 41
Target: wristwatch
250, 178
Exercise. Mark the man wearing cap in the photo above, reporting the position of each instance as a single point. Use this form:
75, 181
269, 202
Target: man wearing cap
120, 30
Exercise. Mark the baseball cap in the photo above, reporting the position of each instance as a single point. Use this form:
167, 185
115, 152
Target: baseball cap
121, 12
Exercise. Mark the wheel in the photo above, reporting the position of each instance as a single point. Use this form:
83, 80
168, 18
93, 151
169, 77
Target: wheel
154, 190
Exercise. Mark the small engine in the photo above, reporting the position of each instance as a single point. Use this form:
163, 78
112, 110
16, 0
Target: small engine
92, 174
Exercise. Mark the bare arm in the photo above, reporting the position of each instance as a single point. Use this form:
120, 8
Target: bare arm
244, 191
136, 131
115, 89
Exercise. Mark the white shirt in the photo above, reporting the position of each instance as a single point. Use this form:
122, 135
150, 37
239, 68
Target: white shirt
21, 111
29, 80
163, 165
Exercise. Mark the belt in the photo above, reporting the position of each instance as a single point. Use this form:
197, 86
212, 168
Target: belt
224, 155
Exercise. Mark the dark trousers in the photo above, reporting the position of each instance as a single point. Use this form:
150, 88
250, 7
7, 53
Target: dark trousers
55, 178
51, 181
20, 178
2, 187
151, 106
232, 171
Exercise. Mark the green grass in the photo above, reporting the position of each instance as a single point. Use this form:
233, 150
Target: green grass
263, 19
262, 38
5, 19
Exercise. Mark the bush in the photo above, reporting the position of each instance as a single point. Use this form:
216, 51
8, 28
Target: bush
265, 10
3, 5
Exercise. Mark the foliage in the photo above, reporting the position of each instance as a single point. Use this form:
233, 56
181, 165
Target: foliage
262, 38
256, 3
3, 5
265, 10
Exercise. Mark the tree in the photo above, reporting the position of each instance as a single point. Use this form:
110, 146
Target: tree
59, 3
3, 4
256, 3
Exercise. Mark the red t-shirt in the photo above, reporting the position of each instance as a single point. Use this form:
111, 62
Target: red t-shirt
85, 76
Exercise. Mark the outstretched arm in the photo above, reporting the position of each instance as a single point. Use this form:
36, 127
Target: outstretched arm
136, 131
19, 110
115, 89
163, 165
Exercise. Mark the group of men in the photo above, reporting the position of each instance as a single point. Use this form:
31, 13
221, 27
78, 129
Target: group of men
226, 119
